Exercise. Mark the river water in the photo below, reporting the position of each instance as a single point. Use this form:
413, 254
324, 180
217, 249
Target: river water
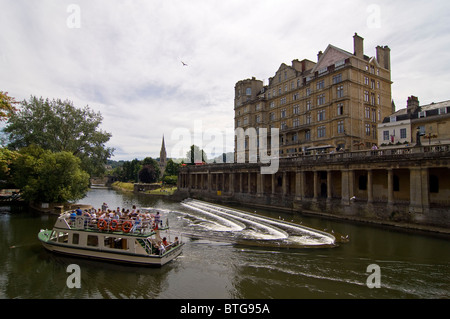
410, 265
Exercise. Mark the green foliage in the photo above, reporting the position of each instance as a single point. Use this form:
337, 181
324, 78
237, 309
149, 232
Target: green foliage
170, 179
130, 171
7, 157
58, 126
44, 176
6, 105
172, 168
148, 174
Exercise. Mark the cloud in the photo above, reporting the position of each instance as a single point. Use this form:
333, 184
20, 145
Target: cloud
125, 58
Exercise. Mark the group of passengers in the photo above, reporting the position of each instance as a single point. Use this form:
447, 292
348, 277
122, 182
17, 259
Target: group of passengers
137, 218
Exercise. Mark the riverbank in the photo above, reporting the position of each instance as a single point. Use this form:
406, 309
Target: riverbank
160, 191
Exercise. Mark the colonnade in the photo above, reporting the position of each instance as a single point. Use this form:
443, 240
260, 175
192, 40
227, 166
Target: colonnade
389, 185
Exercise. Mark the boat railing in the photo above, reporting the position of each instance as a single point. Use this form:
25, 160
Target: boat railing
124, 225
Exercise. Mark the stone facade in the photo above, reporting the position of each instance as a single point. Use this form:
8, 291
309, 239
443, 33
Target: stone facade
336, 102
431, 121
407, 186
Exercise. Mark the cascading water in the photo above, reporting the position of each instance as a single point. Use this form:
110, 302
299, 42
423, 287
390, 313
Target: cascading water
216, 222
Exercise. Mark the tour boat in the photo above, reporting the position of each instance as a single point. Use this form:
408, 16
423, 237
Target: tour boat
130, 241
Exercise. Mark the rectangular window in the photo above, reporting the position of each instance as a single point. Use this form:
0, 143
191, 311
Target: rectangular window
92, 240
320, 85
296, 122
321, 115
368, 129
308, 135
63, 237
403, 133
75, 238
321, 99
321, 131
115, 242
340, 109
296, 109
366, 96
283, 125
337, 78
283, 113
340, 91
283, 101
308, 105
340, 127
308, 119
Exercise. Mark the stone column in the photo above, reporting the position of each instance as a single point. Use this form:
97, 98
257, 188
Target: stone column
284, 183
240, 182
316, 185
345, 189
369, 186
231, 181
419, 190
273, 183
390, 186
259, 184
209, 181
329, 189
298, 190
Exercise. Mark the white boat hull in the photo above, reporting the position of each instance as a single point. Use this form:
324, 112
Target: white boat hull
114, 256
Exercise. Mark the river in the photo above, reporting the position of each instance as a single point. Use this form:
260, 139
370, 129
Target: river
410, 265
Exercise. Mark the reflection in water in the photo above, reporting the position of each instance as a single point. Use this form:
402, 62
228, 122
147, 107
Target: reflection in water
412, 265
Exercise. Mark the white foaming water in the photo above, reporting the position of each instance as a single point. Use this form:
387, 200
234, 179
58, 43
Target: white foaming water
247, 226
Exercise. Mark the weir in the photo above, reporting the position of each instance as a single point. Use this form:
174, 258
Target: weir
235, 226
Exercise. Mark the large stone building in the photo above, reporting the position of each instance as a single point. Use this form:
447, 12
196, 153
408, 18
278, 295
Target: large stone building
431, 123
333, 103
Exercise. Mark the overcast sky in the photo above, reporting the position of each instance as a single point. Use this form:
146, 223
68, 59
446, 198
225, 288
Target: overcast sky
123, 58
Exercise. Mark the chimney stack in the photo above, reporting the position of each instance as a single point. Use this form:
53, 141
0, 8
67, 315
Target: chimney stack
358, 46
384, 56
319, 55
412, 104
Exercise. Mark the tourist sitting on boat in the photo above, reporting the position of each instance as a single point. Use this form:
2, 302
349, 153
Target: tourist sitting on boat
136, 225
73, 215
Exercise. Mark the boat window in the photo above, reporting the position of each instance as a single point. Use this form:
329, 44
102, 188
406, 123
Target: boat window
53, 236
75, 238
115, 242
63, 237
92, 240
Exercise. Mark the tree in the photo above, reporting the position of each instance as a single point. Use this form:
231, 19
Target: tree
148, 174
58, 126
7, 107
44, 176
195, 155
172, 168
7, 158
